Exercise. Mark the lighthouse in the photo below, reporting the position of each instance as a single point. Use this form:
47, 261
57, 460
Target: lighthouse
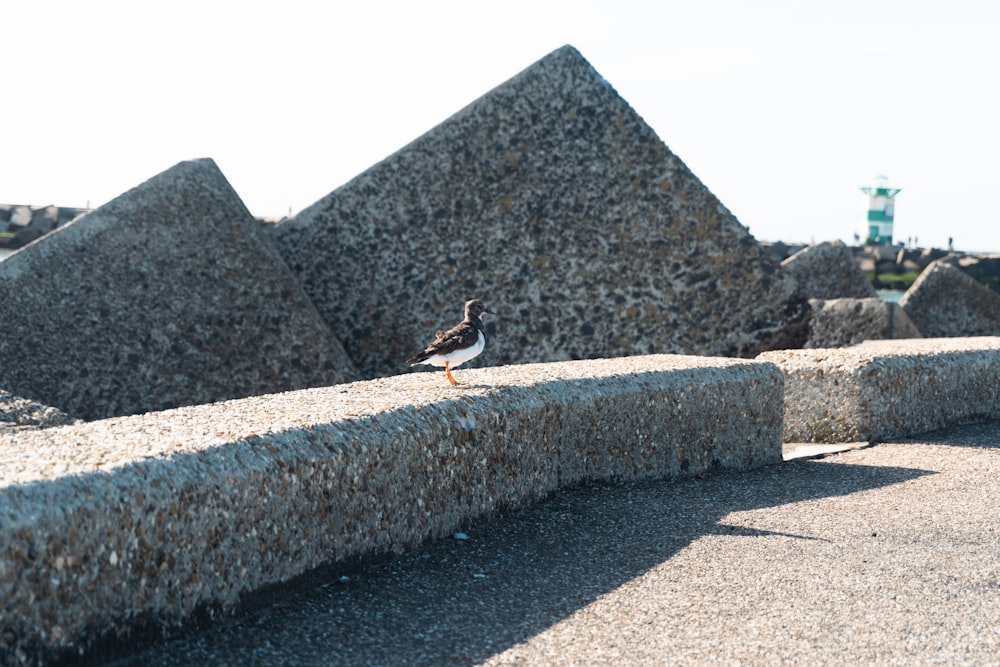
881, 207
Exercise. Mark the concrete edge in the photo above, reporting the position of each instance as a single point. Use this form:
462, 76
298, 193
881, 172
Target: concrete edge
885, 389
160, 515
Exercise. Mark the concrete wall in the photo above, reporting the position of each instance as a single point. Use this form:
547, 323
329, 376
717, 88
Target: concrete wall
149, 518
888, 388
143, 521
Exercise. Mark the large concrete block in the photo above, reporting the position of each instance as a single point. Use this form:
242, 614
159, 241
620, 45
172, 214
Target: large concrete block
168, 295
155, 517
843, 322
943, 301
884, 389
828, 271
550, 199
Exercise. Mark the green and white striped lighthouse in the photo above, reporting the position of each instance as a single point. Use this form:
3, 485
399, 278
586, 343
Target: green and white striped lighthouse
881, 207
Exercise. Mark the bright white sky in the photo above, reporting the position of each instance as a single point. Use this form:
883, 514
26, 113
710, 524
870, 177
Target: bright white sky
783, 108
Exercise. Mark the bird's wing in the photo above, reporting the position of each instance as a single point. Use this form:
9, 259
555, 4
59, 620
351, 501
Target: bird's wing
464, 335
461, 336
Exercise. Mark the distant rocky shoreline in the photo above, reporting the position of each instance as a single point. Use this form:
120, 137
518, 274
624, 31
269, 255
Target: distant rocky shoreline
896, 267
21, 224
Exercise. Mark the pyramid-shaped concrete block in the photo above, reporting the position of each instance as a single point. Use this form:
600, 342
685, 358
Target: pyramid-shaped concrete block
168, 295
944, 302
845, 322
828, 271
554, 202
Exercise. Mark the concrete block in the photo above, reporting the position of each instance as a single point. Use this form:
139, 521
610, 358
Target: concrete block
844, 322
943, 301
151, 518
168, 295
884, 389
18, 413
554, 202
828, 271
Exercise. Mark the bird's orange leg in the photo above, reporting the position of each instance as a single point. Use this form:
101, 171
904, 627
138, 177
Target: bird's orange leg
447, 374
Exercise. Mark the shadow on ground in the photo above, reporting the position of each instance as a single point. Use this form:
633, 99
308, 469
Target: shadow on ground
460, 601
985, 434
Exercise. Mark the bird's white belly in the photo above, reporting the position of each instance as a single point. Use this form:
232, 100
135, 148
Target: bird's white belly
459, 357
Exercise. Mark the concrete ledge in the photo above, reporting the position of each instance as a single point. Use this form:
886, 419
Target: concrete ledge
884, 389
157, 516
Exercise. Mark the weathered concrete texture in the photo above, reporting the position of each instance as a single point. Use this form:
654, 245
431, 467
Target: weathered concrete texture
828, 271
884, 389
550, 199
882, 557
17, 412
944, 301
843, 322
166, 296
151, 517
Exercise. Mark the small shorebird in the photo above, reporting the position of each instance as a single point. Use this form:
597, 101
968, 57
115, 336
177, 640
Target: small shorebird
454, 347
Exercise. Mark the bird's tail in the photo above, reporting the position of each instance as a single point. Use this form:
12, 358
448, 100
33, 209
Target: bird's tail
418, 359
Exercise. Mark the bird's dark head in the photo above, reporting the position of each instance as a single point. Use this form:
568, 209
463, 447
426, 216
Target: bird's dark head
475, 309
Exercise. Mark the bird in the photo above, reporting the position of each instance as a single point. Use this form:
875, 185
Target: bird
454, 347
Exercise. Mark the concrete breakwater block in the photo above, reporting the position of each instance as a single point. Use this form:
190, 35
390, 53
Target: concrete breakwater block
554, 202
828, 271
17, 412
943, 301
147, 519
843, 322
168, 295
884, 389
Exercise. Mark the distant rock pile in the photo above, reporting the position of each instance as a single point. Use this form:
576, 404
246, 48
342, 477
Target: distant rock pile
828, 271
20, 225
845, 322
946, 302
843, 308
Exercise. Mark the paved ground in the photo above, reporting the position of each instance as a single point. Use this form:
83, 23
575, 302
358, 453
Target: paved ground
882, 555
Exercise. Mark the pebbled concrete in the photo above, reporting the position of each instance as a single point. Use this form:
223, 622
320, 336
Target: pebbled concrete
879, 556
828, 270
553, 201
888, 388
944, 301
168, 295
136, 525
843, 322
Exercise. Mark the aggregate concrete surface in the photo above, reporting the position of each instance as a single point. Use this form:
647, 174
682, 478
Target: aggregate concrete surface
587, 235
887, 389
879, 555
141, 523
